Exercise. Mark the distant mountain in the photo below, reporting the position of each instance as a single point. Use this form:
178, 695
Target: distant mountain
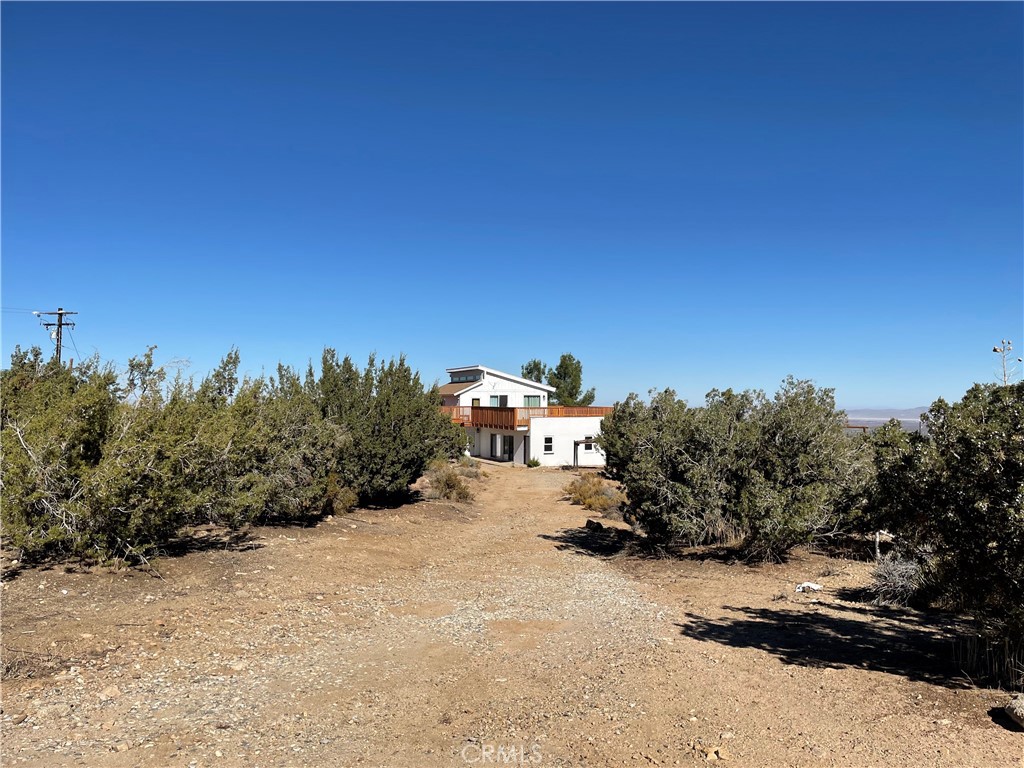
886, 413
909, 418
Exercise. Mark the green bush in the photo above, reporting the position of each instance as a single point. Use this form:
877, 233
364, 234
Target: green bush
957, 492
98, 465
803, 475
775, 473
395, 427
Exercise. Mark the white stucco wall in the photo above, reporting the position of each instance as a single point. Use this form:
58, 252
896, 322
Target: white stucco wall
564, 430
480, 444
496, 385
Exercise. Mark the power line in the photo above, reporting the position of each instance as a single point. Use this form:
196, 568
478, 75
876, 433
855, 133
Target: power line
74, 345
60, 325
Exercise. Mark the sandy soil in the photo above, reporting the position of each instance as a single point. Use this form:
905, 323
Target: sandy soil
492, 633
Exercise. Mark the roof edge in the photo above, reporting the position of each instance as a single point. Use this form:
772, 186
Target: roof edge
496, 372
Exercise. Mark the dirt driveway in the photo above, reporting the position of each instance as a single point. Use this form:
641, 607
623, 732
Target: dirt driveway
491, 633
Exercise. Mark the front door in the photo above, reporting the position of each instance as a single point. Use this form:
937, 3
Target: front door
507, 447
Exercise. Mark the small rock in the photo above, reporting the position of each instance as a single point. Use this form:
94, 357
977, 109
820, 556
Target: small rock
122, 747
108, 693
1015, 709
19, 718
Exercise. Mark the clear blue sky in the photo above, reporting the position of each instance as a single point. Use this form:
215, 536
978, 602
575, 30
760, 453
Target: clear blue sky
682, 195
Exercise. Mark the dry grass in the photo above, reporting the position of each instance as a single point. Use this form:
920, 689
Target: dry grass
595, 494
18, 663
446, 481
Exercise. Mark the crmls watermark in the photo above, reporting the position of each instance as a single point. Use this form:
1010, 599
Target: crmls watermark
501, 754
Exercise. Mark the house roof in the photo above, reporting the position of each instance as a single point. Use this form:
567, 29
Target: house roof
456, 388
502, 374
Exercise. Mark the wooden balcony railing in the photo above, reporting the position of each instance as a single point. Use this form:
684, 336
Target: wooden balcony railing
513, 418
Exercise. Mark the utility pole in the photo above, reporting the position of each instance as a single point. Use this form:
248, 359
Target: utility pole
1009, 371
59, 325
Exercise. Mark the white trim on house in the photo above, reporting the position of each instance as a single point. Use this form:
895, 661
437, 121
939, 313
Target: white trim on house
501, 374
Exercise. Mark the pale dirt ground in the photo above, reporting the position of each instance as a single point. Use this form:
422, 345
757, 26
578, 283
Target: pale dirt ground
425, 635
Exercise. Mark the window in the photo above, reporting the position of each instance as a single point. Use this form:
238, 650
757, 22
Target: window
456, 378
476, 402
494, 401
588, 446
531, 401
549, 445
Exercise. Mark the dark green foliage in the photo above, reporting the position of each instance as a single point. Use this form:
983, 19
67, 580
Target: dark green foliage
621, 431
104, 467
567, 379
54, 426
395, 427
805, 473
535, 370
777, 473
954, 497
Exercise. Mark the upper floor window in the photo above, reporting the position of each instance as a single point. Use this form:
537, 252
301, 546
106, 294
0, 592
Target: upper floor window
457, 378
531, 401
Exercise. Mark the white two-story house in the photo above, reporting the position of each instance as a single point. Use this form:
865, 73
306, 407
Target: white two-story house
509, 418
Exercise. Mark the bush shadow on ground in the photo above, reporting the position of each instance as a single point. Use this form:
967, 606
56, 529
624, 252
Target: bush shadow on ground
603, 541
908, 646
210, 539
999, 717
609, 541
187, 542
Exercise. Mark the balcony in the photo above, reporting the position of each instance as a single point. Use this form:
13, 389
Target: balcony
514, 418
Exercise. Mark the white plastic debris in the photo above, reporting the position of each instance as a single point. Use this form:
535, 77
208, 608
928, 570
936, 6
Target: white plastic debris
808, 586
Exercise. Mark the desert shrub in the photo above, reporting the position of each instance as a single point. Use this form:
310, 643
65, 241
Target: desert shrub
896, 580
621, 431
775, 473
958, 490
803, 475
533, 463
394, 425
446, 483
110, 466
593, 493
54, 426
